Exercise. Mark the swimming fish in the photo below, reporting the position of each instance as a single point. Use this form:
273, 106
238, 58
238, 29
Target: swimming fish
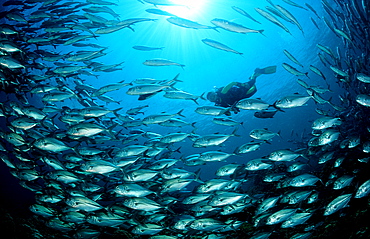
220, 46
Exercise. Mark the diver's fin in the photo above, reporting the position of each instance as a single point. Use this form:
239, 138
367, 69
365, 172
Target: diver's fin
263, 71
267, 70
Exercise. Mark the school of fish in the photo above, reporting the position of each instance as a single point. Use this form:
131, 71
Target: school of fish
97, 170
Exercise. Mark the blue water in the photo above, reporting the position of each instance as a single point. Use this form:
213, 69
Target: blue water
207, 68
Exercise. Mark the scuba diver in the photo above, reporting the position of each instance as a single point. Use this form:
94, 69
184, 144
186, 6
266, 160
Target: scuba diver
229, 95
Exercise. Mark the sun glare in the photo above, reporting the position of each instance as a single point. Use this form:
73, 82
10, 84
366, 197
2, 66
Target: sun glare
188, 9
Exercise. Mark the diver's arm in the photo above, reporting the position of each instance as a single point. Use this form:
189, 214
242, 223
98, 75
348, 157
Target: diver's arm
225, 89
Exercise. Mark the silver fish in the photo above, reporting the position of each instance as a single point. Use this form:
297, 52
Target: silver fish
290, 16
292, 101
363, 99
213, 139
141, 203
162, 62
225, 121
343, 181
206, 224
10, 63
50, 144
248, 147
178, 21
86, 129
132, 190
244, 13
328, 136
159, 12
266, 205
363, 190
83, 203
337, 204
292, 58
272, 19
162, 3
293, 70
105, 219
283, 155
233, 27
176, 184
220, 46
294, 4
298, 196
212, 185
252, 104
258, 164
193, 199
363, 78
226, 198
303, 180
178, 94
109, 88
140, 175
156, 119
99, 166
24, 123
280, 216
147, 228
263, 134
211, 110
42, 210
146, 89
228, 169
325, 122
317, 71
211, 156
296, 219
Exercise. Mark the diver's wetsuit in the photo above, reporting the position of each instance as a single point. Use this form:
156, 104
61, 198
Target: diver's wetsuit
235, 91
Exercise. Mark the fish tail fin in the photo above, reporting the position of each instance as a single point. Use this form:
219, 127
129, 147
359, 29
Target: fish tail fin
307, 75
179, 113
193, 125
110, 131
242, 124
202, 96
311, 93
267, 142
116, 110
195, 100
274, 105
178, 150
261, 31
215, 28
226, 111
197, 176
234, 132
175, 80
